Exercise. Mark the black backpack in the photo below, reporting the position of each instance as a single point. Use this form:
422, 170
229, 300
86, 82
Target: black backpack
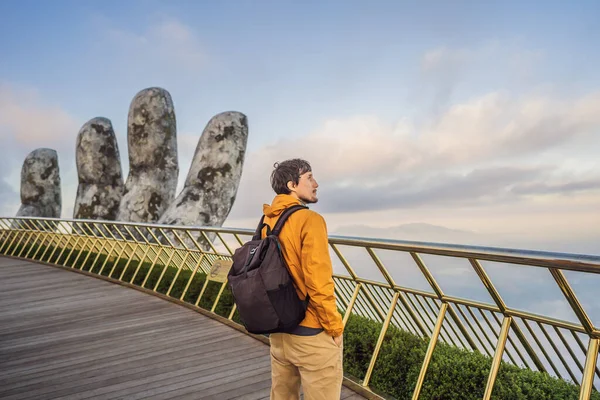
262, 286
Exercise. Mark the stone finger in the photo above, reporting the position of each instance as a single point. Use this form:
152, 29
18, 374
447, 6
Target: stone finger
213, 179
153, 165
40, 185
99, 172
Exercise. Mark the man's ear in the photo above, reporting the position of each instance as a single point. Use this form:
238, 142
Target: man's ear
291, 186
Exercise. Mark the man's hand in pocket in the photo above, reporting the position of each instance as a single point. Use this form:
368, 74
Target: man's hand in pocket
339, 340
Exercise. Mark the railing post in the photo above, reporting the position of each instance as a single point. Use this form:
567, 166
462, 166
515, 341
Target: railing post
587, 380
384, 329
429, 353
489, 387
351, 303
178, 272
194, 272
214, 307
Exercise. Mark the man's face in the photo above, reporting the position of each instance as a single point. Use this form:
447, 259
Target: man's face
306, 189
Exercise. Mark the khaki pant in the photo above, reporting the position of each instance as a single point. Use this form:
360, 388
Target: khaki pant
314, 361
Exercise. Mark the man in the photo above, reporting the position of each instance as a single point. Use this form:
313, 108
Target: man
311, 355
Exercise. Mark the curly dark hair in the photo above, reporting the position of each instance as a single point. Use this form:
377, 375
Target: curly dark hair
285, 171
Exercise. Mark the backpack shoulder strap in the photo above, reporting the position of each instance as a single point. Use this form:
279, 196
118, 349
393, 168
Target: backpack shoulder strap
284, 216
259, 228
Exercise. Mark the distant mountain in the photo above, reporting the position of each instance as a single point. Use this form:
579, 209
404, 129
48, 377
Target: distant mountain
422, 232
415, 231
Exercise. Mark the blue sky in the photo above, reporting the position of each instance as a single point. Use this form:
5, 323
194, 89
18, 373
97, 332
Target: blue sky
320, 58
298, 62
478, 116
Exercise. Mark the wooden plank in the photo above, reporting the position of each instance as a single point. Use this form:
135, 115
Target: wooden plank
140, 363
9, 262
60, 320
81, 333
53, 387
258, 395
191, 384
88, 318
157, 338
100, 355
257, 386
223, 384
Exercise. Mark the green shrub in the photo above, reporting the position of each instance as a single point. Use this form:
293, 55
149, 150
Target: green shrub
453, 373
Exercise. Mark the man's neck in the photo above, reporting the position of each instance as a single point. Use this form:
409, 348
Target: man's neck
294, 195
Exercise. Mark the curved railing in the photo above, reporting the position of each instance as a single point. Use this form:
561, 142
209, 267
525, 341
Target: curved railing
373, 279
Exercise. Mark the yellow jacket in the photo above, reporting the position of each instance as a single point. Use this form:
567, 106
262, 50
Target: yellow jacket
305, 248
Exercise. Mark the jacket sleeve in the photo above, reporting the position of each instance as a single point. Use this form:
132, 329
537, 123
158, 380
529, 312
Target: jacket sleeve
318, 274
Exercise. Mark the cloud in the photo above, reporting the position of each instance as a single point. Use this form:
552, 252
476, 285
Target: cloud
442, 70
475, 188
167, 43
444, 59
524, 63
497, 125
509, 56
491, 127
558, 188
447, 72
28, 121
491, 149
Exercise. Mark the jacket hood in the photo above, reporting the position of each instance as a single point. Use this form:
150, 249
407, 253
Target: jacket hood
280, 203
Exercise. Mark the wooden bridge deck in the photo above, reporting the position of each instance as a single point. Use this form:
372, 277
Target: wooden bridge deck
67, 336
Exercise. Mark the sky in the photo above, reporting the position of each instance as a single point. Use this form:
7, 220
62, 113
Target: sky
475, 120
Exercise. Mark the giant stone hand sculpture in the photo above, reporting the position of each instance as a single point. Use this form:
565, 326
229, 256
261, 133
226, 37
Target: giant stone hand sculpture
149, 192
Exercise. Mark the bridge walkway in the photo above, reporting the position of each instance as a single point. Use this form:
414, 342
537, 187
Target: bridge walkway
64, 335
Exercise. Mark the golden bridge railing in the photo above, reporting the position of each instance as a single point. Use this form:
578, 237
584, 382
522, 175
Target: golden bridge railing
163, 257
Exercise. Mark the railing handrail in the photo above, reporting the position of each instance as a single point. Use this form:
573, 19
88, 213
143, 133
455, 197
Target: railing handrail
539, 258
